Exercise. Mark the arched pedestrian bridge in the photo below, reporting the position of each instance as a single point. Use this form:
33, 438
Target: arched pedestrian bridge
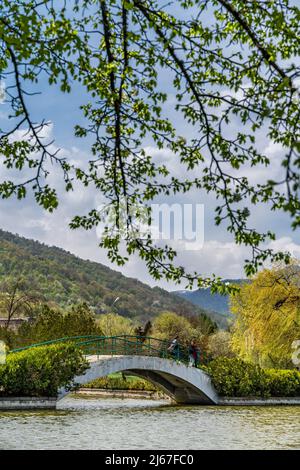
148, 358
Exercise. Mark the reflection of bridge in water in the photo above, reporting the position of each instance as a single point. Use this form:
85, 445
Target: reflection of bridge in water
147, 358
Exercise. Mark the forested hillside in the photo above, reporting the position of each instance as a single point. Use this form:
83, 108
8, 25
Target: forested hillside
204, 298
64, 279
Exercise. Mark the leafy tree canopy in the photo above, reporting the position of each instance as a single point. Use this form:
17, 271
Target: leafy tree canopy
271, 300
50, 323
233, 70
112, 324
168, 325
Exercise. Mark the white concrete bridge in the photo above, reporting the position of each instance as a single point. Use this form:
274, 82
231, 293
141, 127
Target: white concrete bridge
146, 357
182, 383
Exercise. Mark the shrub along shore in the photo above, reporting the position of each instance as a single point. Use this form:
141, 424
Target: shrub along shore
234, 377
41, 371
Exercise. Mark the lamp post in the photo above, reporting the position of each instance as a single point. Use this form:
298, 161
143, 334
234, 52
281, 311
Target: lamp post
109, 319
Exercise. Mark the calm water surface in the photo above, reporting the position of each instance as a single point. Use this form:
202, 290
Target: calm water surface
144, 424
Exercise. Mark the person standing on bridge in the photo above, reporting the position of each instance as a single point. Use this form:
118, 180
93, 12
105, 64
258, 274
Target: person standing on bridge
194, 354
174, 348
139, 332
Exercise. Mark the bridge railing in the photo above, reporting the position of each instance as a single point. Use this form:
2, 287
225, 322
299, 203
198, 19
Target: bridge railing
120, 345
66, 339
132, 345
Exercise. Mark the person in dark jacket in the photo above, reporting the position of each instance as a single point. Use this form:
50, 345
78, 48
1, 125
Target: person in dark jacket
174, 347
194, 354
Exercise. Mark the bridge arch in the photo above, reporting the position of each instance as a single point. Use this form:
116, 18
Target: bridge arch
182, 383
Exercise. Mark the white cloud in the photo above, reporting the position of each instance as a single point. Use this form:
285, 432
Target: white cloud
286, 244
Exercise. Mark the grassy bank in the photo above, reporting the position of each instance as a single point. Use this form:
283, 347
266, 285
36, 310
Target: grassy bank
118, 381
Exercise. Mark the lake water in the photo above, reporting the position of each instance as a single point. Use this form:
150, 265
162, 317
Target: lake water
145, 424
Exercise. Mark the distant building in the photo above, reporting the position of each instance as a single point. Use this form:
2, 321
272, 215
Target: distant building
14, 323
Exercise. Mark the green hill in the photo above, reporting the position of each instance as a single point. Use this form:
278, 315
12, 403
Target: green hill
64, 279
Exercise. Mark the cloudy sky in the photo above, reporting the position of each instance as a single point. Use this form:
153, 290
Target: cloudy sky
218, 254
